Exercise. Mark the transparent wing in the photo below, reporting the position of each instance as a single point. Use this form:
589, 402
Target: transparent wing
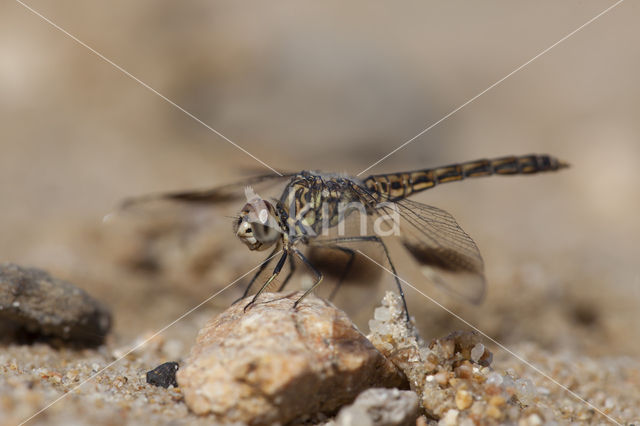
220, 194
448, 255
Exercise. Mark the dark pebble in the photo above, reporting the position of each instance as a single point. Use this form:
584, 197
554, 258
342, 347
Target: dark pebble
41, 305
163, 375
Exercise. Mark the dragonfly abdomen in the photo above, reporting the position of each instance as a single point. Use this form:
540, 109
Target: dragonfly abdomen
396, 186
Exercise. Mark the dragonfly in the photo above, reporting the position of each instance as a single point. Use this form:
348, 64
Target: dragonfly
313, 205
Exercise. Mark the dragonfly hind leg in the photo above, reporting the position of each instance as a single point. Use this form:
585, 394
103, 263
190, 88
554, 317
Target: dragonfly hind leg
317, 273
378, 240
345, 271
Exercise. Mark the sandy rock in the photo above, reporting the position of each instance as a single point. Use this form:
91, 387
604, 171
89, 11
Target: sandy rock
380, 407
39, 303
452, 375
272, 364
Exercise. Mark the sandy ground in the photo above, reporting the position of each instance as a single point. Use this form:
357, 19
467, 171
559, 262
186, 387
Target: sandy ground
331, 87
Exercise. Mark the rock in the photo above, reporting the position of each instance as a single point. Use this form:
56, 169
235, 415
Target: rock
399, 341
43, 305
380, 407
453, 375
273, 364
163, 375
463, 399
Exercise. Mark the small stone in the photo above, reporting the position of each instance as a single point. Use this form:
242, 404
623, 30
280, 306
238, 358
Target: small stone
450, 418
431, 363
486, 359
47, 306
120, 381
442, 378
382, 314
508, 384
493, 411
478, 408
531, 420
543, 390
72, 374
448, 347
55, 378
464, 399
380, 407
526, 391
497, 401
464, 371
494, 379
163, 375
272, 364
609, 403
477, 352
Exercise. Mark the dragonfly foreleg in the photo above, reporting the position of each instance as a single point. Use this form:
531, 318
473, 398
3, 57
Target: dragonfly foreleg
274, 274
262, 267
292, 268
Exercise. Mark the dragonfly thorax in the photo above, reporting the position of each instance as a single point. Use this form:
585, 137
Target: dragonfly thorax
257, 225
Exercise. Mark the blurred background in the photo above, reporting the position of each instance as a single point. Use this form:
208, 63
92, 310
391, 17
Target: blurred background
328, 86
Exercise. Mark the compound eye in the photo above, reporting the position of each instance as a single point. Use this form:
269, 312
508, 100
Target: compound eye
266, 234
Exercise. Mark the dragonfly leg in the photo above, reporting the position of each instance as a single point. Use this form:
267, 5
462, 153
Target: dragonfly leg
317, 273
262, 267
292, 268
378, 240
274, 274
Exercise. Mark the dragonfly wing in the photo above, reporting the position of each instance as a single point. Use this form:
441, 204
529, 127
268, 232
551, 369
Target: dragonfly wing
448, 255
220, 194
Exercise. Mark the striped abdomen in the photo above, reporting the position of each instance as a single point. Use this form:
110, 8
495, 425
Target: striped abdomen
400, 185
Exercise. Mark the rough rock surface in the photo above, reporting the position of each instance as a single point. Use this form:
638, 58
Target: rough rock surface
43, 305
380, 407
273, 364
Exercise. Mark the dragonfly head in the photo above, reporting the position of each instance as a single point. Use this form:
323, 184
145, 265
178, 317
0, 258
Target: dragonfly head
257, 224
